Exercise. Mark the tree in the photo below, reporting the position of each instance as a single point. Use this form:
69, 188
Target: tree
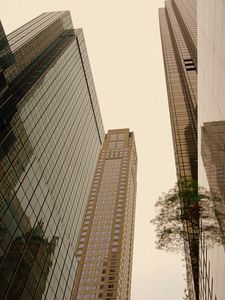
179, 214
186, 294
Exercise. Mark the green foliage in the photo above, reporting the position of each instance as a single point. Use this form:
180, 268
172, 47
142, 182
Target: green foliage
183, 206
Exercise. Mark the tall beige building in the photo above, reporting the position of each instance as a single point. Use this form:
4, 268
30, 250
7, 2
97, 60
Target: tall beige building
178, 27
105, 247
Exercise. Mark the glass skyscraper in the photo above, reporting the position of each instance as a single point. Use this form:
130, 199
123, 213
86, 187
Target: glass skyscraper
178, 26
51, 133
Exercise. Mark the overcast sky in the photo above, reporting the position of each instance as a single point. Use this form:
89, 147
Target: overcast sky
123, 43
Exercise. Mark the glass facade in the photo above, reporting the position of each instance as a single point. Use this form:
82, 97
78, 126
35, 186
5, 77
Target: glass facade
178, 34
51, 135
211, 121
106, 239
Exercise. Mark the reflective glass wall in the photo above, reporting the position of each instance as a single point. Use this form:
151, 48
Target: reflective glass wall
51, 132
178, 35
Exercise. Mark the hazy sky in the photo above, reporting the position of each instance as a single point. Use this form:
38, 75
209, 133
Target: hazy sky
123, 43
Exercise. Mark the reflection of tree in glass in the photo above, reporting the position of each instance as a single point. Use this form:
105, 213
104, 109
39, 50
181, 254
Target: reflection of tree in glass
24, 270
179, 212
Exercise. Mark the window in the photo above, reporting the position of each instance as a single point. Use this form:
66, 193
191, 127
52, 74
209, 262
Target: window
113, 137
110, 286
189, 64
120, 144
112, 145
121, 136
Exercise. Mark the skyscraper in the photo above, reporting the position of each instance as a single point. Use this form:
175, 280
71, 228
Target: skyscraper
106, 239
179, 43
211, 122
213, 153
51, 133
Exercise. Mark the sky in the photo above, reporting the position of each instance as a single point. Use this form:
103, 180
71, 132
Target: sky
124, 48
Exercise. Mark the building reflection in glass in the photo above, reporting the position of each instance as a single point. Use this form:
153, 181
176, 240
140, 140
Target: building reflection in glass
213, 155
51, 133
212, 262
28, 261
